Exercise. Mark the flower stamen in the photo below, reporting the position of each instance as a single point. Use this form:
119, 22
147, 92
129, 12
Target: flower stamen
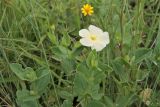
93, 37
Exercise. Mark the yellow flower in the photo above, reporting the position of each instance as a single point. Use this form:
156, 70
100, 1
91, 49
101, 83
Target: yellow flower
87, 10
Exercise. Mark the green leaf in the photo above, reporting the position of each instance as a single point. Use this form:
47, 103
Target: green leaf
119, 68
27, 74
64, 55
42, 82
83, 88
67, 103
124, 101
94, 76
80, 86
77, 51
84, 71
60, 52
94, 103
52, 38
141, 75
25, 95
108, 102
99, 76
94, 92
30, 74
141, 54
65, 95
26, 99
18, 70
87, 81
67, 65
66, 41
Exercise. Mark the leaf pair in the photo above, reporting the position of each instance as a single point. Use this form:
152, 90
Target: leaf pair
27, 74
39, 81
87, 82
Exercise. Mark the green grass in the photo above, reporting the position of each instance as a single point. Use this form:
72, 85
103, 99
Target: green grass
42, 63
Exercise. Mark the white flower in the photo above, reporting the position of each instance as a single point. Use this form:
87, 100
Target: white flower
94, 37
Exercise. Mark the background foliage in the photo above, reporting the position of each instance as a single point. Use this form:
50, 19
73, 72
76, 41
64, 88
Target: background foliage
42, 63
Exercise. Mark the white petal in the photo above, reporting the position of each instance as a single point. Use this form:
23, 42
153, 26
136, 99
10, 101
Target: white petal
95, 30
83, 32
86, 42
105, 37
98, 46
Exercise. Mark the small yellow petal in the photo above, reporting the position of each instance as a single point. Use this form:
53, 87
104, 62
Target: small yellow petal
82, 9
87, 9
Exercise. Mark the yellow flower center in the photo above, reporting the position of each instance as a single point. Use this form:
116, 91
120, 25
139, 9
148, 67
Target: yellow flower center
87, 9
93, 37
